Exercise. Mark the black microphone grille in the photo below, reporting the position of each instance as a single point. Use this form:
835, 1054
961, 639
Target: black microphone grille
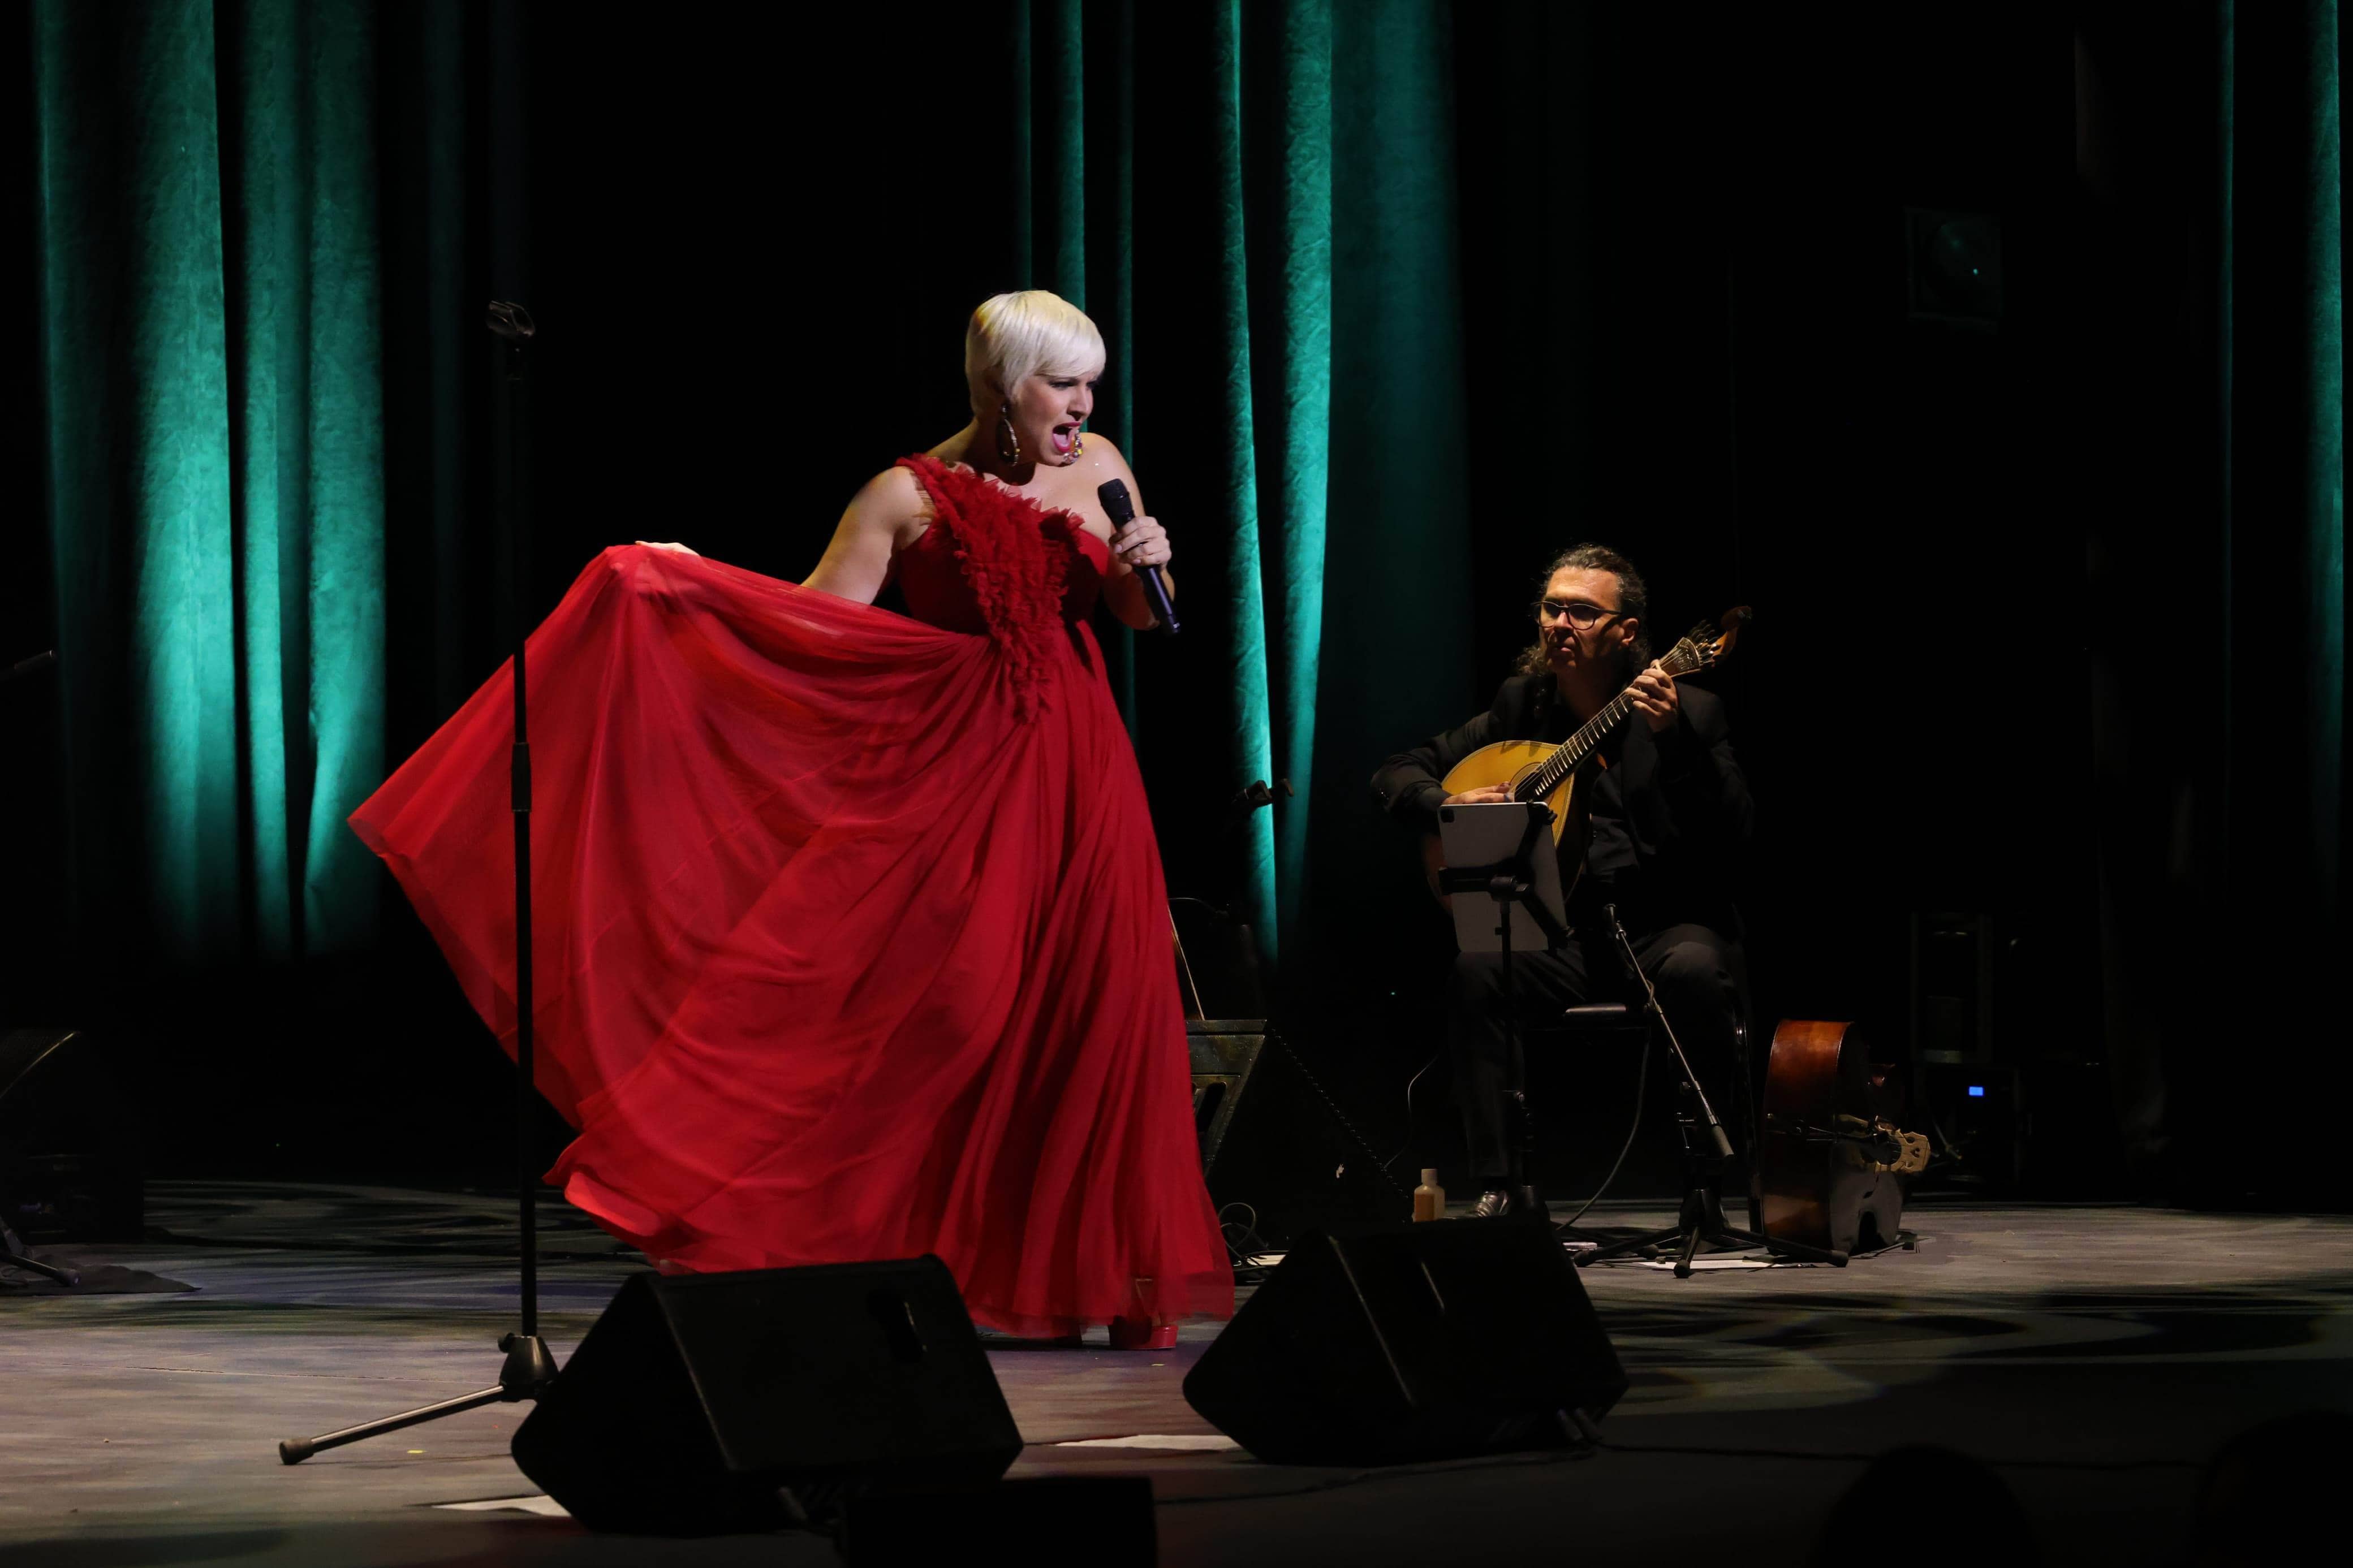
1116, 505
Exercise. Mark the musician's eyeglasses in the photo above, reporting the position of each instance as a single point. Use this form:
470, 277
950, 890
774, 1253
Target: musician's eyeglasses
1576, 611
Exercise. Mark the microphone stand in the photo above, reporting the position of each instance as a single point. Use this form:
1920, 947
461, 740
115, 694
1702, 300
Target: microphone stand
1700, 1221
13, 1252
528, 1368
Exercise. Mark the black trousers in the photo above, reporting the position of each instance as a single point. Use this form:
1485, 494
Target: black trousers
1698, 975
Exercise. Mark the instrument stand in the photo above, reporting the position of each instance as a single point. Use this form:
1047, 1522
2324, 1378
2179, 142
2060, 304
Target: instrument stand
1526, 890
1698, 1223
529, 1368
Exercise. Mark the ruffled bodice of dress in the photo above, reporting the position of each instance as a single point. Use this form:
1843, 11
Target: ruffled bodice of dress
993, 561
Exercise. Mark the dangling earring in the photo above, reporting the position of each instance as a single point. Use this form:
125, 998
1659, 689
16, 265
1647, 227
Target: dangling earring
1007, 437
1077, 444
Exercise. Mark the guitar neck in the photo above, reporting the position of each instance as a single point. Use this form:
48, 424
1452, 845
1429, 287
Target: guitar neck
1574, 750
1690, 656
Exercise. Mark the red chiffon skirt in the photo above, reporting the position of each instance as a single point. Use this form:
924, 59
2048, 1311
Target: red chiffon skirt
841, 954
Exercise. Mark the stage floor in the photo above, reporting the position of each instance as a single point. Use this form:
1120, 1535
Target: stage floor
2096, 1355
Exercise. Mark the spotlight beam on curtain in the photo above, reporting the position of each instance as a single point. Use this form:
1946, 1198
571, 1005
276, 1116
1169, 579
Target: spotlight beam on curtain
208, 252
1291, 266
1253, 330
212, 357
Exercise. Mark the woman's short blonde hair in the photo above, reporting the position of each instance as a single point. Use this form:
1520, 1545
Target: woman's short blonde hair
1015, 336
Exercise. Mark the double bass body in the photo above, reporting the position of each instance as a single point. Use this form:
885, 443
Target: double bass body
1830, 1161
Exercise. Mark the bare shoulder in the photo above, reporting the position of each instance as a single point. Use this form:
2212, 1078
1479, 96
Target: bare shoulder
891, 500
1101, 451
894, 485
1077, 487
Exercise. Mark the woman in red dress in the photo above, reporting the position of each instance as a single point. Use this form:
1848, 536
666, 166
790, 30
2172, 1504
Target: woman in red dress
851, 939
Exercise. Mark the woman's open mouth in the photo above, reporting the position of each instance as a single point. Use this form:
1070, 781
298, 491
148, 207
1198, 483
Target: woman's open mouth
1065, 437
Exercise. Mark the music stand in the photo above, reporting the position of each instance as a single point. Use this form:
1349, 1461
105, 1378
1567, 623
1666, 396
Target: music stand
1492, 848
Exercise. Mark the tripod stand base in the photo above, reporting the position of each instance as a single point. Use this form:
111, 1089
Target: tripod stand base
528, 1371
13, 1255
63, 1276
1701, 1225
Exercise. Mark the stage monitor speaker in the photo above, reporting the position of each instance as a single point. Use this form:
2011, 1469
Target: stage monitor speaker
70, 1160
707, 1403
1225, 1053
1273, 1139
1409, 1344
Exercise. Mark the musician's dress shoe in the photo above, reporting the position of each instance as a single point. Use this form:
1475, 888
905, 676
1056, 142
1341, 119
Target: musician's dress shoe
1491, 1205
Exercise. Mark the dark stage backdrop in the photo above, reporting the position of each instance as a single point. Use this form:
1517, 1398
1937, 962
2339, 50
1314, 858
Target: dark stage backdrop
1400, 298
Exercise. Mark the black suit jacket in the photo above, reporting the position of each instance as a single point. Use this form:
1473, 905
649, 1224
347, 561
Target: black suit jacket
1671, 814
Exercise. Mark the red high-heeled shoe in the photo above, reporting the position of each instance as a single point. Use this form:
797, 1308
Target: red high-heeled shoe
1127, 1334
1140, 1331
1142, 1334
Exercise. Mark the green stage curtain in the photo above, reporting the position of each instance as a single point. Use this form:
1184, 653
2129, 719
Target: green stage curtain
2315, 526
207, 239
2279, 379
1254, 201
2218, 578
2279, 389
1232, 190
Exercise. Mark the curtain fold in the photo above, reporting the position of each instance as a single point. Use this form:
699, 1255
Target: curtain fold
1291, 271
1396, 658
2323, 290
215, 363
208, 256
2279, 384
2218, 724
1209, 256
1227, 442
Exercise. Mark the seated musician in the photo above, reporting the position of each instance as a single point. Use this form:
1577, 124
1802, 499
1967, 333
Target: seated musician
1670, 819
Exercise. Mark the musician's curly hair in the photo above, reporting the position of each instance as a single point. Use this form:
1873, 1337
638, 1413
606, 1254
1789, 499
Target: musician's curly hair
1633, 601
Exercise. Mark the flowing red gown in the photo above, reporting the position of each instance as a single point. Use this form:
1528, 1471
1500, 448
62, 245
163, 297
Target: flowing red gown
851, 939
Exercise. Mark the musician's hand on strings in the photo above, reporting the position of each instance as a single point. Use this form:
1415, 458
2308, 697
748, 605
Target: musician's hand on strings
1484, 794
1654, 692
673, 547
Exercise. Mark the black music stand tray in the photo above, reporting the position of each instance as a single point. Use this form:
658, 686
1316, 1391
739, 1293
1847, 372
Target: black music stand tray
1498, 843
1699, 1222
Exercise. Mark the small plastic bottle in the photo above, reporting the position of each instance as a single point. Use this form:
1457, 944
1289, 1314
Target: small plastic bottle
1429, 1198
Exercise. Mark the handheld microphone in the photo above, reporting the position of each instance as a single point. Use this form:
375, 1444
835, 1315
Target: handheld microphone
26, 666
1121, 510
511, 321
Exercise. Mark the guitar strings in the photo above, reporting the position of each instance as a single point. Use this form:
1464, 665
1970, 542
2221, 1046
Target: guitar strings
1686, 657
